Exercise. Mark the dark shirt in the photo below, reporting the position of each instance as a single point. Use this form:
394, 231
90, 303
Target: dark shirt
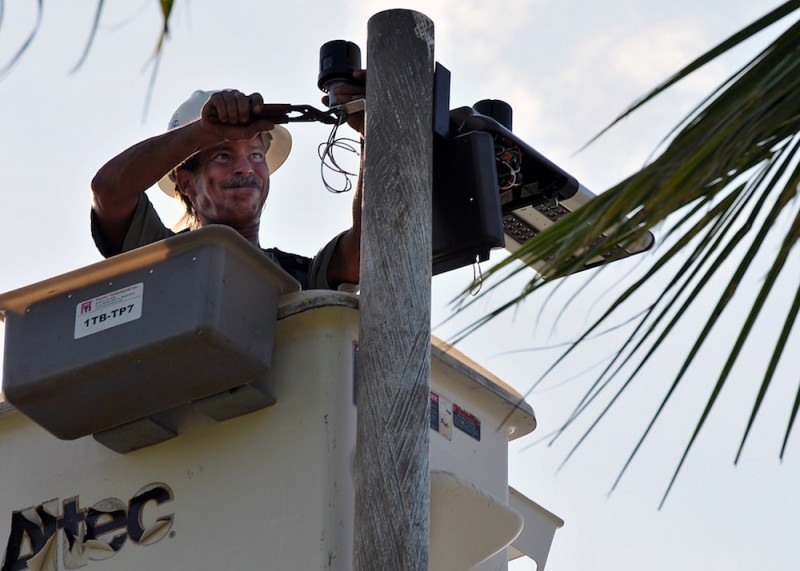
146, 227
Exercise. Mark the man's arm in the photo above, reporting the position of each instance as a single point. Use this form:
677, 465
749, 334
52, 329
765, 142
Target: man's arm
117, 186
228, 115
346, 261
345, 265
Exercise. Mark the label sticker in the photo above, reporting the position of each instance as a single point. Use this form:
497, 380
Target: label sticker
108, 310
442, 415
467, 422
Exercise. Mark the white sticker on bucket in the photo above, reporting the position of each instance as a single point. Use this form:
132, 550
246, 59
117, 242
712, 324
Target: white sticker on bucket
108, 310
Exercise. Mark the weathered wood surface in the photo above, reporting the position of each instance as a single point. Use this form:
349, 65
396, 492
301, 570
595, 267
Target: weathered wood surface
392, 471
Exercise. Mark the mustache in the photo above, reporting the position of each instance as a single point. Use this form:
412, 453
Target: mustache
239, 181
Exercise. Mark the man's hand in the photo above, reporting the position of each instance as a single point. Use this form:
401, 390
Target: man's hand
232, 115
351, 91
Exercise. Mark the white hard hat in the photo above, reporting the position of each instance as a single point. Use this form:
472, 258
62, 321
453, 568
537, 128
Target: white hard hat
280, 141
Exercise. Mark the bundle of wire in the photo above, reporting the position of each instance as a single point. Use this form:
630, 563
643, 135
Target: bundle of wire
509, 163
328, 162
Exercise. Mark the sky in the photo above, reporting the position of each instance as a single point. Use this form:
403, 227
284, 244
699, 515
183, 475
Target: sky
567, 68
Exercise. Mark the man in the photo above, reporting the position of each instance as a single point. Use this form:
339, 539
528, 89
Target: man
216, 157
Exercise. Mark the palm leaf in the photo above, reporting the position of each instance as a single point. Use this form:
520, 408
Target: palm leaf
728, 173
746, 33
15, 58
166, 12
92, 35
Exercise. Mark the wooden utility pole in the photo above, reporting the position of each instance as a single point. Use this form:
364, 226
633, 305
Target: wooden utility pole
392, 457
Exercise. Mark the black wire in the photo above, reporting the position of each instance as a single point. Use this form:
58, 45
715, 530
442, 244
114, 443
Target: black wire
328, 161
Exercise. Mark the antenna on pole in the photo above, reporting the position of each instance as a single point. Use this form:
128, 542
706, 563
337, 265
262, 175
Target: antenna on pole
392, 451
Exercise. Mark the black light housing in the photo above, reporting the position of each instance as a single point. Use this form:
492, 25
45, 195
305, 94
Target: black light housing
532, 191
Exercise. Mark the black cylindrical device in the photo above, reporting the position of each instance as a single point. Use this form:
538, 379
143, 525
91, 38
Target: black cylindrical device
338, 59
498, 110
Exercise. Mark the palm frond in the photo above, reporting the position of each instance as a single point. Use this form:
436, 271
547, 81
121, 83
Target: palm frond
26, 44
166, 12
728, 173
745, 34
92, 35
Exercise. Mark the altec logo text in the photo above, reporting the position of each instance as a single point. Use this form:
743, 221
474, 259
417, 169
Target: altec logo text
94, 533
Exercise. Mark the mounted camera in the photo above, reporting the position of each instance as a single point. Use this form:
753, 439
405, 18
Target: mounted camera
338, 59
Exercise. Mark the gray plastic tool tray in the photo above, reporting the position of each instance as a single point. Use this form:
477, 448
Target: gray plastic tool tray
142, 332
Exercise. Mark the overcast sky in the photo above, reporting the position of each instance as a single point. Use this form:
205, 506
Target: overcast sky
567, 68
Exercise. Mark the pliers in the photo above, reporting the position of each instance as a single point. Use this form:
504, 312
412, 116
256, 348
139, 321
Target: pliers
286, 113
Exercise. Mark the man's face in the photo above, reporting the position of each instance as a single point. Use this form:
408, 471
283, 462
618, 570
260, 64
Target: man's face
230, 184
